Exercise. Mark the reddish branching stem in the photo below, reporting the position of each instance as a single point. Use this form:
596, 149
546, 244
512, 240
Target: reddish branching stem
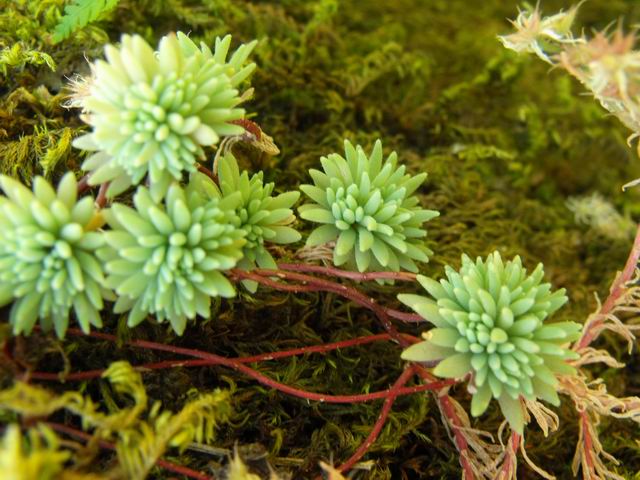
356, 276
238, 365
83, 184
393, 393
265, 277
293, 278
588, 446
617, 290
207, 172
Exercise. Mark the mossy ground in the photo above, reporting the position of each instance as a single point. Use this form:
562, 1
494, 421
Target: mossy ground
505, 141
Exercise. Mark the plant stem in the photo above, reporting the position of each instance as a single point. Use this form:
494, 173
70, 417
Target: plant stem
262, 276
394, 391
101, 199
357, 276
616, 291
213, 359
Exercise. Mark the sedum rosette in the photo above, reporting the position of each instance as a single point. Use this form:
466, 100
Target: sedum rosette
48, 262
152, 112
367, 206
166, 259
490, 322
265, 218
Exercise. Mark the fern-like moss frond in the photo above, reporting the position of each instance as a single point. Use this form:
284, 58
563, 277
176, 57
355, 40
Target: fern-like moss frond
79, 14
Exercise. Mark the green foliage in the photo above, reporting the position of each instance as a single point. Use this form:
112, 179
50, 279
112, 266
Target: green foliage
489, 320
17, 56
264, 217
48, 263
504, 140
39, 457
140, 442
79, 14
368, 208
166, 259
152, 112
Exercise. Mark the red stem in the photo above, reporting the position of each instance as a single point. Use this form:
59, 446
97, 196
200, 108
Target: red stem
83, 184
101, 199
357, 276
175, 468
506, 466
207, 172
588, 444
262, 275
449, 411
263, 379
617, 289
86, 375
393, 393
403, 316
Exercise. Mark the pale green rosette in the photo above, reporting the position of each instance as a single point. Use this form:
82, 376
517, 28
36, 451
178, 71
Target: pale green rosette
166, 259
265, 218
48, 262
490, 323
152, 112
368, 207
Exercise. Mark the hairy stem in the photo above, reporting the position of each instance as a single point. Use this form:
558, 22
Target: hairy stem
616, 291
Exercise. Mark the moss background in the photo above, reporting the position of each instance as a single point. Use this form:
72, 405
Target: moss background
505, 141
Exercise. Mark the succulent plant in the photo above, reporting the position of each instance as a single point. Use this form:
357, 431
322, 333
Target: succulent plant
264, 218
48, 262
368, 208
167, 259
490, 322
152, 112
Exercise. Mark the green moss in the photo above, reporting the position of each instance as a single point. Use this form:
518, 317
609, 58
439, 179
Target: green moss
505, 142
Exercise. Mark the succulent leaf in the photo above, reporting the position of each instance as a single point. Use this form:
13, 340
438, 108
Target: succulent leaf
48, 261
263, 217
489, 320
166, 259
366, 206
153, 112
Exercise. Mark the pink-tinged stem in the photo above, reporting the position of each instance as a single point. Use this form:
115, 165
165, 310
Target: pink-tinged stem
390, 312
616, 291
357, 276
509, 459
83, 184
327, 347
172, 467
207, 172
101, 199
263, 379
446, 405
588, 445
263, 276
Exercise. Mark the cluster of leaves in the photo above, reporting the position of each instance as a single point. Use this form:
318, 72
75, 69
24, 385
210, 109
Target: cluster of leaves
79, 14
489, 320
152, 113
